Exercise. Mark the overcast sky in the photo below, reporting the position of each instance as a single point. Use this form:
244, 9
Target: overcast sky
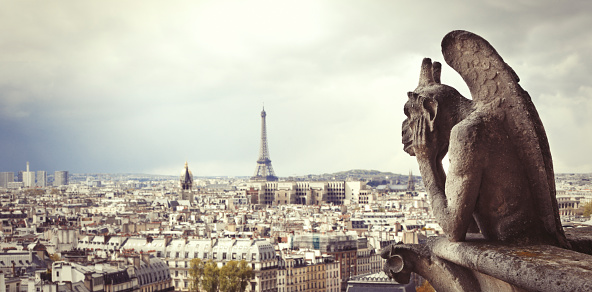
143, 86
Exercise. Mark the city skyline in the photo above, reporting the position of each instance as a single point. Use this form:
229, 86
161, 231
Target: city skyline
142, 87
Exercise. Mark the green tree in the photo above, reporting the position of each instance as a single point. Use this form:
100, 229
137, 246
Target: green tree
211, 277
235, 276
245, 273
587, 209
229, 277
196, 272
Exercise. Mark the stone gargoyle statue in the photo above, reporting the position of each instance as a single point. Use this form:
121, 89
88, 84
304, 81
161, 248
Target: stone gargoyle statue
500, 180
500, 174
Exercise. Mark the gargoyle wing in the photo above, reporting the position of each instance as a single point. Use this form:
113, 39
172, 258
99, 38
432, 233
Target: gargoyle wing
495, 90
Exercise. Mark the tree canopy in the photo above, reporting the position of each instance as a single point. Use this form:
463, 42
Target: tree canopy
211, 277
587, 208
196, 272
234, 276
229, 277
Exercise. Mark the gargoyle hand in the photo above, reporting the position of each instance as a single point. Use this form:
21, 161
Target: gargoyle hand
424, 140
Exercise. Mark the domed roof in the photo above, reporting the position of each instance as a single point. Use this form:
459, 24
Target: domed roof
186, 171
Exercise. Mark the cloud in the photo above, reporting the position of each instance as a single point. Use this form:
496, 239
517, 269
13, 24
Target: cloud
143, 86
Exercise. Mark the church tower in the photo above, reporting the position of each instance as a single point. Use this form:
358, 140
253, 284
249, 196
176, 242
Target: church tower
410, 182
186, 182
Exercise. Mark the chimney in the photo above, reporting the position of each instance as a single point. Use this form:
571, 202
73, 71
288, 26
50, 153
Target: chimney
136, 259
146, 257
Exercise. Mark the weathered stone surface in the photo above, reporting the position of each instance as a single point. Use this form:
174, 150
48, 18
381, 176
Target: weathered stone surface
500, 177
580, 239
479, 265
501, 174
402, 259
532, 267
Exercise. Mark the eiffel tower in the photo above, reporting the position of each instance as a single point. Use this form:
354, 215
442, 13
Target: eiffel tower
264, 171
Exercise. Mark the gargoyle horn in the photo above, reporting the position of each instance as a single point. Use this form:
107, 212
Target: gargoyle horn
430, 73
426, 75
436, 71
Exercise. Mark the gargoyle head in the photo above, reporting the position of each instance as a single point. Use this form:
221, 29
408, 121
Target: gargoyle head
432, 108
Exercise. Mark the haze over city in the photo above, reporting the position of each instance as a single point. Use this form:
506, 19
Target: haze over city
143, 87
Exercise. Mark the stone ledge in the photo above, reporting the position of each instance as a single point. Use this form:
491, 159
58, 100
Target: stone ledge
477, 265
533, 267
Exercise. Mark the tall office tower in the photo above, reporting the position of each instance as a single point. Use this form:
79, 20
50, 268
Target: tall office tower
41, 178
19, 176
60, 178
5, 178
264, 171
186, 183
28, 178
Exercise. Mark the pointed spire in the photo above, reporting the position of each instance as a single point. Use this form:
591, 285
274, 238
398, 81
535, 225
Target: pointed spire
410, 182
186, 178
264, 170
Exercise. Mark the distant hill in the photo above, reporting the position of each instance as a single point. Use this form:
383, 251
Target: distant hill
364, 172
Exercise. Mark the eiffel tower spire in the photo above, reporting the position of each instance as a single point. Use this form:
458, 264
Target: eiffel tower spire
264, 170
